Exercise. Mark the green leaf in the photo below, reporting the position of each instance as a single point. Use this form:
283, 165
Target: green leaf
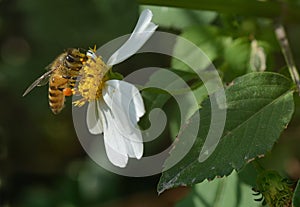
270, 9
157, 97
200, 94
160, 88
207, 38
229, 191
177, 18
237, 57
259, 107
296, 198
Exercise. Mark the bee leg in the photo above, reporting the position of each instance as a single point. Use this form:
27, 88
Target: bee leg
66, 77
72, 82
75, 91
60, 89
79, 102
62, 86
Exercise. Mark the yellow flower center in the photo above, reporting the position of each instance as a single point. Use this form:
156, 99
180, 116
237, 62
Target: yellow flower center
92, 79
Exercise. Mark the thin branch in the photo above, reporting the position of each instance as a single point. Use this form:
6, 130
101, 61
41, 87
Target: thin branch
287, 53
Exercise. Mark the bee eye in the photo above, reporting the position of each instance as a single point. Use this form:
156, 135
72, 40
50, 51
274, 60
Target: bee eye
70, 59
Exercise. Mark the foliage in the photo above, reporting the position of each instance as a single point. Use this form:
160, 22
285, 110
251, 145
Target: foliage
41, 161
227, 191
296, 198
253, 124
254, 102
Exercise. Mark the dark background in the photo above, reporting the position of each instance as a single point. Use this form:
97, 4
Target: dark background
41, 160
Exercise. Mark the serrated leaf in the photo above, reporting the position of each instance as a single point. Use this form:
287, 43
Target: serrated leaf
229, 191
296, 197
259, 107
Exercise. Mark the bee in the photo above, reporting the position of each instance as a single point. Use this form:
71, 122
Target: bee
62, 75
91, 78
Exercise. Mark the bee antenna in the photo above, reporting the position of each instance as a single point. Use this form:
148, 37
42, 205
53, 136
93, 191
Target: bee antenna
94, 48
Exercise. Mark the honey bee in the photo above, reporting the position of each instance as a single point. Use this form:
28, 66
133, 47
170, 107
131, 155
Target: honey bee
61, 76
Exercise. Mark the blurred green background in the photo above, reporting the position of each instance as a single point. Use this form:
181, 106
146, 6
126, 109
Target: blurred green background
41, 161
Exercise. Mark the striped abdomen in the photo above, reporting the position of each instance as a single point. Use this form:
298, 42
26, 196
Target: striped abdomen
56, 97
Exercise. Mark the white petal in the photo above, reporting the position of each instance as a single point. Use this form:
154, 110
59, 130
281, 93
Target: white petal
118, 147
142, 32
114, 145
138, 104
144, 21
126, 104
93, 119
116, 158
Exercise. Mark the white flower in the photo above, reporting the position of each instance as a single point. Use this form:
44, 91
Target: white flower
118, 110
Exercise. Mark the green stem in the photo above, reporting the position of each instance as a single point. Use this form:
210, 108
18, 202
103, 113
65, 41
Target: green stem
287, 53
270, 9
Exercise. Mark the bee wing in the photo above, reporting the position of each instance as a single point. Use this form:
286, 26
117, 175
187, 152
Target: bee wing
43, 80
